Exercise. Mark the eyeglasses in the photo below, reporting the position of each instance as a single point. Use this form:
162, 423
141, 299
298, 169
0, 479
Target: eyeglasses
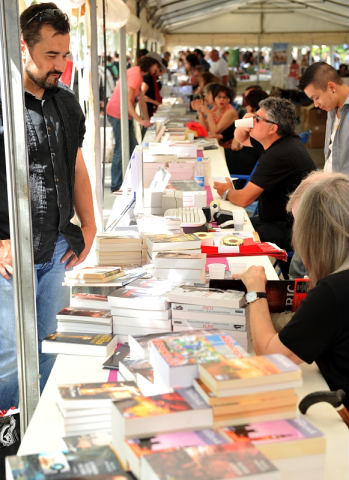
48, 12
260, 119
222, 98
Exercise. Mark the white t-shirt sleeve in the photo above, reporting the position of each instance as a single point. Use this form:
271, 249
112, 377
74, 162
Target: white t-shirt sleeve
219, 68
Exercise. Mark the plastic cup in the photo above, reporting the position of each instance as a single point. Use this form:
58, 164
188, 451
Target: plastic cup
237, 268
238, 216
190, 137
216, 270
244, 122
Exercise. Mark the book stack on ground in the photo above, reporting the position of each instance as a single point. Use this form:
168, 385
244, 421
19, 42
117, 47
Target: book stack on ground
183, 267
139, 311
194, 308
242, 390
175, 358
294, 445
92, 463
143, 417
120, 249
182, 242
86, 407
85, 320
93, 275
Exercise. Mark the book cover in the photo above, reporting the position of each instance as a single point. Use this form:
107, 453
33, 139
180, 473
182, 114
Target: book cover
71, 395
98, 272
90, 296
179, 240
152, 285
180, 260
173, 441
194, 348
282, 295
72, 313
250, 371
79, 338
207, 296
88, 440
195, 324
130, 368
138, 299
209, 462
209, 309
66, 465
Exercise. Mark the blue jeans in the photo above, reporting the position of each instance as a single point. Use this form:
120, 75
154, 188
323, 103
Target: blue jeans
116, 167
51, 297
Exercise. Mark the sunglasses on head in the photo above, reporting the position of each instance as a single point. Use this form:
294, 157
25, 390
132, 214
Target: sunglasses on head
45, 14
260, 119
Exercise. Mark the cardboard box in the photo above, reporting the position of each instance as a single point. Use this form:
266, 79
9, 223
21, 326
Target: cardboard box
317, 136
313, 116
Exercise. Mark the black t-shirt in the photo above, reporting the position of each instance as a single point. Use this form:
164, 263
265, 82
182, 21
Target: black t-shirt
148, 79
319, 330
280, 170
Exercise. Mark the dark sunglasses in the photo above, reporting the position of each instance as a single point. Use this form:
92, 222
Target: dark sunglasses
260, 119
47, 13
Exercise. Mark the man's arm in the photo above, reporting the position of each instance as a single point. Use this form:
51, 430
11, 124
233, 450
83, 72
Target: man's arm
242, 134
84, 209
144, 110
225, 80
243, 197
6, 259
265, 338
132, 111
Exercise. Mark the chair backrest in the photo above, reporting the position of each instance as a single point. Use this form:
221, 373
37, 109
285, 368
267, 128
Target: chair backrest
245, 177
304, 136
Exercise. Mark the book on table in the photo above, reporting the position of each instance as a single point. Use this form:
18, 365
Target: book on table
176, 358
209, 462
120, 237
138, 299
181, 275
142, 372
84, 327
152, 285
159, 243
188, 261
95, 462
138, 313
95, 273
137, 447
77, 343
198, 312
119, 281
207, 297
88, 300
146, 416
140, 344
88, 440
85, 314
242, 374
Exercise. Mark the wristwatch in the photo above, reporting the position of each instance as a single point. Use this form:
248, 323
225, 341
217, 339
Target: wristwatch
224, 196
253, 296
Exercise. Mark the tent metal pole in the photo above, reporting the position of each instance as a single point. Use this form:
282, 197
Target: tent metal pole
17, 171
125, 143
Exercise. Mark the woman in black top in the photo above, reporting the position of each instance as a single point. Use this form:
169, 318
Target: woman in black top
319, 330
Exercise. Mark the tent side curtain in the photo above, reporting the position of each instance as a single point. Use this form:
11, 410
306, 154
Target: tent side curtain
316, 38
133, 24
117, 13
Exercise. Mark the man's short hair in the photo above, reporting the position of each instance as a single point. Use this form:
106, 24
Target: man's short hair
197, 51
254, 97
146, 62
142, 52
253, 87
319, 74
192, 59
32, 20
282, 112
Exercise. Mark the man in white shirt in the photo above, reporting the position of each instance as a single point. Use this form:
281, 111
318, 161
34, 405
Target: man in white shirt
219, 67
322, 84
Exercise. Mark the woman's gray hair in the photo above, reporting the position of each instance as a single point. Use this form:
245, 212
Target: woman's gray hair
321, 227
282, 112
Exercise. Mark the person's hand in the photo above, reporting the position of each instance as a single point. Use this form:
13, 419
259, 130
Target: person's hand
195, 104
6, 259
254, 279
248, 115
221, 187
236, 146
89, 233
204, 109
218, 136
145, 123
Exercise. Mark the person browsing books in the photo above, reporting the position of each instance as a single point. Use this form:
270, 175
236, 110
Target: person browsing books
59, 184
319, 330
284, 162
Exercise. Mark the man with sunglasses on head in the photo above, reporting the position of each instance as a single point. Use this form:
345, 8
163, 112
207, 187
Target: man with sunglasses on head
59, 186
283, 163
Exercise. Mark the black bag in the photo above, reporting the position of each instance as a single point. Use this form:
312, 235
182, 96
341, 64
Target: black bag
9, 439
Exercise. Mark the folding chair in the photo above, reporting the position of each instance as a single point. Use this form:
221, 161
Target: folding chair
245, 177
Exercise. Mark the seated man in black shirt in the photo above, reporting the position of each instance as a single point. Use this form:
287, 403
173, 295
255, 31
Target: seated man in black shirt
284, 162
319, 330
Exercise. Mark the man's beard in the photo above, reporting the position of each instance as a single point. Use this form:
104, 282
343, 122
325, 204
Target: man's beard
43, 82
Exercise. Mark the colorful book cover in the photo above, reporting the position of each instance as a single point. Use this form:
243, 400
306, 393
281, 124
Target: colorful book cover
173, 441
211, 462
104, 391
90, 296
80, 338
273, 431
88, 440
94, 272
250, 367
67, 465
180, 401
84, 312
142, 367
186, 349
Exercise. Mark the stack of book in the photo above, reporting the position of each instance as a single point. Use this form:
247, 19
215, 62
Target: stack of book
93, 275
120, 249
71, 319
185, 243
88, 300
86, 407
139, 311
178, 266
80, 343
195, 307
294, 445
249, 389
176, 357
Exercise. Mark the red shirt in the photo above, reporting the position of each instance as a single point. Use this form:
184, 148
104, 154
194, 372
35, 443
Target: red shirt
134, 79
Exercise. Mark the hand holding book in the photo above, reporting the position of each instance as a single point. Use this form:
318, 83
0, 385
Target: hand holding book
254, 279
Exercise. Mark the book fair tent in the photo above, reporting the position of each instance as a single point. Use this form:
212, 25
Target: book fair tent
165, 23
